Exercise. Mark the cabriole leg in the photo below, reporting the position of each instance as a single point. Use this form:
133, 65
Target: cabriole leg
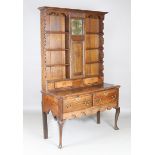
116, 118
98, 117
60, 124
45, 126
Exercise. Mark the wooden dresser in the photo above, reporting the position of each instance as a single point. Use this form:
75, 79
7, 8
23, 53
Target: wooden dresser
72, 66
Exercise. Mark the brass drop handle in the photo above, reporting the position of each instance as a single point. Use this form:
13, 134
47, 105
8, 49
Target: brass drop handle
105, 93
113, 96
67, 106
77, 98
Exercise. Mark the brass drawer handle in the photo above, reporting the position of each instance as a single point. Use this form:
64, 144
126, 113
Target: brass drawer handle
105, 93
77, 98
68, 106
113, 96
86, 103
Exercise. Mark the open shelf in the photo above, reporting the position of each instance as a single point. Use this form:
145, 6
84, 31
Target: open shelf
98, 48
64, 51
57, 49
56, 32
93, 62
98, 33
57, 65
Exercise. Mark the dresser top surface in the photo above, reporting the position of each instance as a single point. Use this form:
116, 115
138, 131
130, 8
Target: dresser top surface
80, 91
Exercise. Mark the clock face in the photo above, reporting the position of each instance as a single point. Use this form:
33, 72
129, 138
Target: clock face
77, 26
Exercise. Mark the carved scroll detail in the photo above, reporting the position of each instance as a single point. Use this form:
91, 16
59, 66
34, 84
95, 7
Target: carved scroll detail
86, 112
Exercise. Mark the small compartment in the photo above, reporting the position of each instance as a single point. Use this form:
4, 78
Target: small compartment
63, 84
90, 81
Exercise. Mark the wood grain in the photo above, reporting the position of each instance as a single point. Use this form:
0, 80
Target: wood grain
77, 103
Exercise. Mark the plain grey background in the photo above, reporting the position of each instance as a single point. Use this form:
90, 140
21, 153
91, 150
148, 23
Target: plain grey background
116, 46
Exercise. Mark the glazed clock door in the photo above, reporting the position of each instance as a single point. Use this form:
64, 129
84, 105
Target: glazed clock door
77, 47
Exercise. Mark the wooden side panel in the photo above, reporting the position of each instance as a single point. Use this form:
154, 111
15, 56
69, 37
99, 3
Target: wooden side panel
106, 97
77, 58
50, 103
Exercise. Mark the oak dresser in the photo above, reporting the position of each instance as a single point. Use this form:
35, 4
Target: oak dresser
72, 66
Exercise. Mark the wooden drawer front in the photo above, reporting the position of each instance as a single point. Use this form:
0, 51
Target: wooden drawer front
90, 81
106, 97
77, 103
63, 84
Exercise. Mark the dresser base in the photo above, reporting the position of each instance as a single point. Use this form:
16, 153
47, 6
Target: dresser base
73, 104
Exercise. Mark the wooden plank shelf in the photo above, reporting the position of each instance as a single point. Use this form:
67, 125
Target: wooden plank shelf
57, 49
97, 33
93, 62
99, 48
56, 32
57, 65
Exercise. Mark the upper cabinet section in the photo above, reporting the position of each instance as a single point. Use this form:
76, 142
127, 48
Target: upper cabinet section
72, 47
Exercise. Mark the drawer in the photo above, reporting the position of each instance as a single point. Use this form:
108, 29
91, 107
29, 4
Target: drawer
63, 84
77, 103
106, 97
90, 81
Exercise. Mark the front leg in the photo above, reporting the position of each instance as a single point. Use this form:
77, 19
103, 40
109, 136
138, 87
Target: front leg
98, 117
60, 124
116, 118
45, 126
